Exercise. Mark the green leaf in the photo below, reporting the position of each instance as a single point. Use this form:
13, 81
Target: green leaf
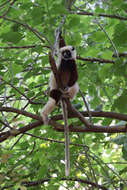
123, 171
42, 170
107, 54
120, 103
104, 71
99, 36
124, 5
120, 139
58, 9
120, 37
125, 145
77, 106
74, 22
36, 15
11, 36
117, 3
124, 153
16, 68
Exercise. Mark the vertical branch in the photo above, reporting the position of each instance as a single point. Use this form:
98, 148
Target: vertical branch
61, 41
58, 35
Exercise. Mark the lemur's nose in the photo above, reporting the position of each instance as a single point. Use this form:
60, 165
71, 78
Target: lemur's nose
66, 54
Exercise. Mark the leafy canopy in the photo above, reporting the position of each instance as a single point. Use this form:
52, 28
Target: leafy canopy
98, 31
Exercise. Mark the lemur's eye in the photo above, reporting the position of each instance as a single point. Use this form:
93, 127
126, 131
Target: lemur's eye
73, 48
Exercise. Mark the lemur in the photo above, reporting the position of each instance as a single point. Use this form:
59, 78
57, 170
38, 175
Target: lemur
67, 72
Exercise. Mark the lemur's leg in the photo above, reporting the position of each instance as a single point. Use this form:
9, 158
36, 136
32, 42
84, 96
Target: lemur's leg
49, 107
54, 98
52, 82
73, 90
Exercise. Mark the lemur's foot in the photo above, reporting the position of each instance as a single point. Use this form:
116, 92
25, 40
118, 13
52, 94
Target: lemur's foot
65, 93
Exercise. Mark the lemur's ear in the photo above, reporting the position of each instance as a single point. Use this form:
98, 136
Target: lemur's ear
61, 41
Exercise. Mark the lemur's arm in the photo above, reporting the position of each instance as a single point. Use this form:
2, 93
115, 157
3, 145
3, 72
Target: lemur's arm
74, 75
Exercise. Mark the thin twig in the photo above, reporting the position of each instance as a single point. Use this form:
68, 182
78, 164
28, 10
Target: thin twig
87, 107
16, 142
10, 6
90, 166
6, 121
3, 4
16, 89
113, 45
21, 93
26, 26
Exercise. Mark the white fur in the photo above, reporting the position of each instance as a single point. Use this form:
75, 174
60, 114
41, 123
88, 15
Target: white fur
51, 104
73, 90
52, 82
47, 109
73, 53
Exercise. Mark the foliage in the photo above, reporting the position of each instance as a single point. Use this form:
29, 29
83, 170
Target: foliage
98, 31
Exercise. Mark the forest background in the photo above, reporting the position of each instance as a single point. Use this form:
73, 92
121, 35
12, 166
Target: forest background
32, 154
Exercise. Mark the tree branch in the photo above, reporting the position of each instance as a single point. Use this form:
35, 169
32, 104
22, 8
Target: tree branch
58, 127
28, 127
124, 54
22, 112
112, 115
95, 60
95, 128
85, 13
41, 181
92, 59
23, 47
88, 182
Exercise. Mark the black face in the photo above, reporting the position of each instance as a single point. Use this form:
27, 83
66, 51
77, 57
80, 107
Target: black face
66, 54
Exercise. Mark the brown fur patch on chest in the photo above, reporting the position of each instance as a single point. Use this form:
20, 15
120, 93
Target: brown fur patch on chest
64, 77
